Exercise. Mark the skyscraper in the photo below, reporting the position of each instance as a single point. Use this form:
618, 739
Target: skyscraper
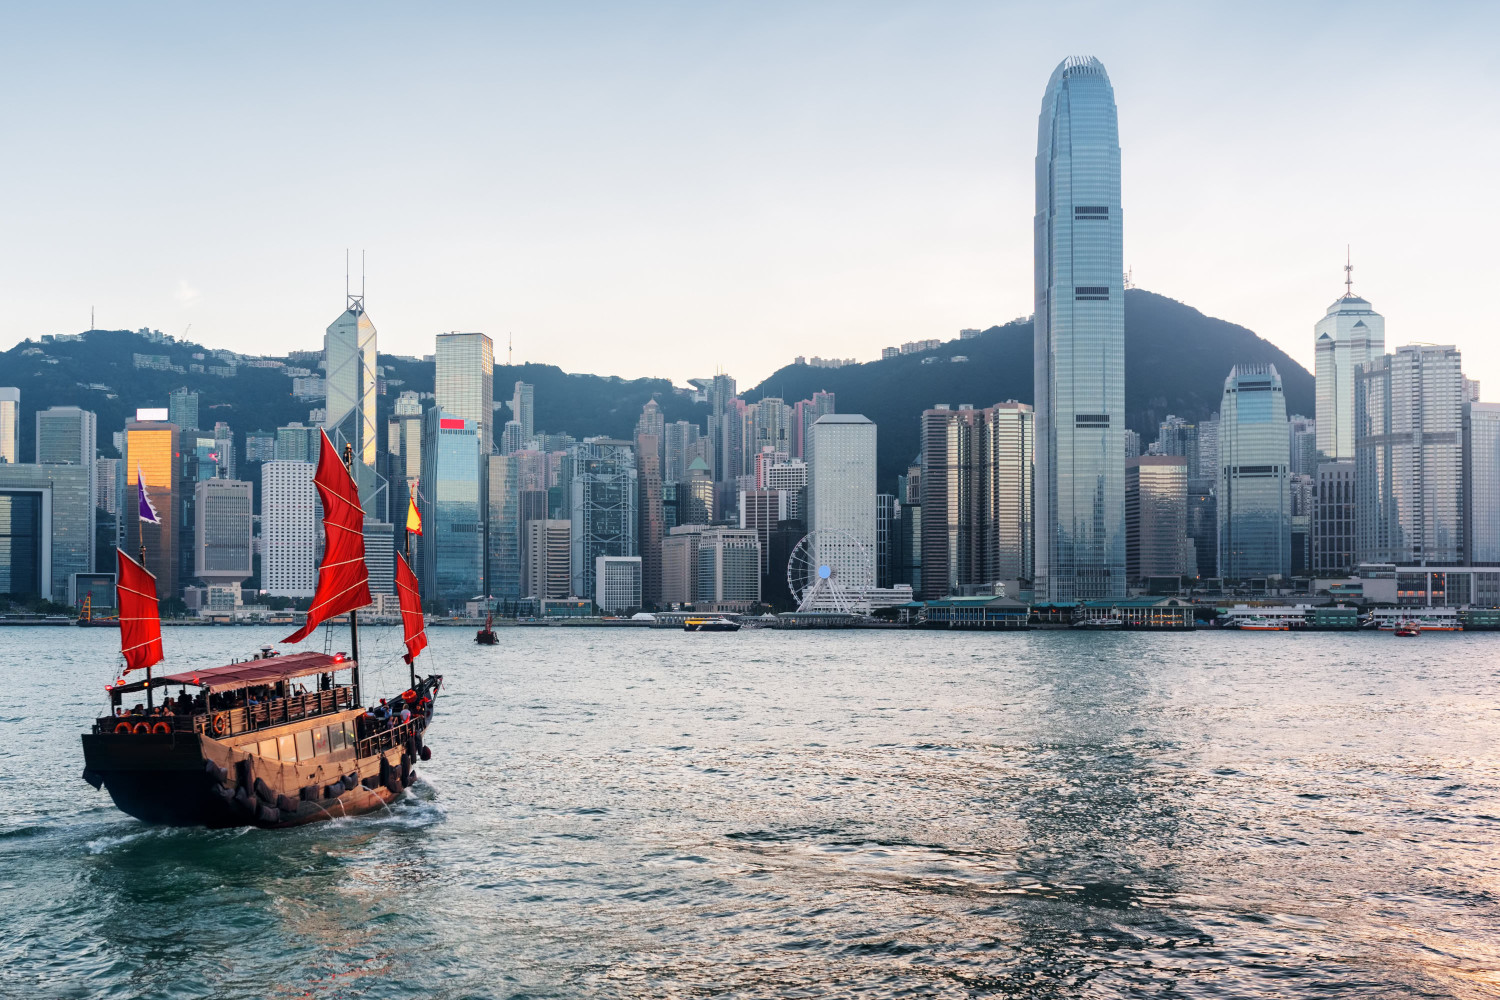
66, 435
222, 531
522, 408
151, 452
464, 382
10, 424
604, 498
453, 556
548, 552
1254, 502
683, 444
1079, 354
1350, 334
46, 529
841, 497
1302, 437
1156, 518
719, 390
1333, 536
1408, 457
182, 408
349, 357
289, 512
652, 527
503, 530
1482, 493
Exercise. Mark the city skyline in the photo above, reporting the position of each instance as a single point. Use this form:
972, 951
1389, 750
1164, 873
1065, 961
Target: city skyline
923, 244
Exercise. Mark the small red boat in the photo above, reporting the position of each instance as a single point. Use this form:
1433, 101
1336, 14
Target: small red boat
486, 636
1407, 630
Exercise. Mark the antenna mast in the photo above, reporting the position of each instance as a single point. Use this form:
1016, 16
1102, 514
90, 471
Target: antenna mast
1348, 273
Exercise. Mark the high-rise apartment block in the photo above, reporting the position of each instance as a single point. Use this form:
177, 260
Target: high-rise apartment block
464, 382
222, 531
182, 408
523, 409
1254, 499
1482, 481
548, 554
289, 528
1408, 457
1079, 354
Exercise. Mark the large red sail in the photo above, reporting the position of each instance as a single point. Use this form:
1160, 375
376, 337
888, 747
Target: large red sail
411, 609
140, 619
343, 579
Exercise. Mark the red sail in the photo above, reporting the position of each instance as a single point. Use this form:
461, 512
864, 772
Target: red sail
140, 620
411, 609
343, 579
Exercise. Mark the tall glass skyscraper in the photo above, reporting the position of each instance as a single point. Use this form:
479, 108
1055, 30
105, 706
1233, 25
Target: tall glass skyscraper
1080, 339
464, 381
1482, 473
603, 506
1255, 502
1349, 335
453, 553
349, 356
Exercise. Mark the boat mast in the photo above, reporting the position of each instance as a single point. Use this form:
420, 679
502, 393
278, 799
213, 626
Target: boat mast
353, 615
140, 537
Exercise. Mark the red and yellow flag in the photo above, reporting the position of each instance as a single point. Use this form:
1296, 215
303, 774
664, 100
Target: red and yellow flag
413, 519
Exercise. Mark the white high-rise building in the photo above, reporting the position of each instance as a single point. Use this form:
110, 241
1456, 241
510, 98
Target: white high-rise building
289, 513
222, 531
10, 424
1482, 483
1079, 353
1349, 335
617, 583
841, 496
464, 382
522, 405
349, 356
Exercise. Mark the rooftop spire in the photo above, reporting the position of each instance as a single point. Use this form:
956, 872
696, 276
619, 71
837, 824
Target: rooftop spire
1348, 273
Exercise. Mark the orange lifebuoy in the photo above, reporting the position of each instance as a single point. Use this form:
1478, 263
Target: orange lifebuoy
161, 728
122, 727
141, 728
409, 696
221, 723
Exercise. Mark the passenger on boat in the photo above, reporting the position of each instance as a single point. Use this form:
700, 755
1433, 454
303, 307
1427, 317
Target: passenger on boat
405, 715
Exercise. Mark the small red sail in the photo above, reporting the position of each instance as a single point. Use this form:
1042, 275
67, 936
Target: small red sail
411, 609
343, 579
140, 619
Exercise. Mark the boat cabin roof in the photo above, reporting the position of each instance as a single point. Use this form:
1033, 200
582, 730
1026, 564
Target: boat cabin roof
250, 673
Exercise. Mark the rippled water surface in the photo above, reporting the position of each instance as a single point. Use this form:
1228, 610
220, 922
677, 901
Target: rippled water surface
635, 813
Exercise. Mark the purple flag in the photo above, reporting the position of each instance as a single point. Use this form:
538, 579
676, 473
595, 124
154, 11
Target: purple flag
144, 508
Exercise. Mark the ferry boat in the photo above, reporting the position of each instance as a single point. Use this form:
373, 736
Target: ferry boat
710, 625
486, 636
274, 740
1407, 630
1099, 624
1259, 623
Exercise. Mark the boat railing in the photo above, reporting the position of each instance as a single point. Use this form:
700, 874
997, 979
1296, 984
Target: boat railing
385, 739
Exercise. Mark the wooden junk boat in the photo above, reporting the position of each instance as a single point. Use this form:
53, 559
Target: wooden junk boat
275, 740
486, 636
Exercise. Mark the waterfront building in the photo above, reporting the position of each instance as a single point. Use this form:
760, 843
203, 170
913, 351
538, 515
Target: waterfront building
679, 564
1408, 457
289, 528
453, 558
1079, 354
350, 384
503, 530
1254, 502
604, 499
841, 497
151, 452
10, 425
182, 408
887, 533
976, 496
1482, 482
523, 409
1203, 524
1333, 536
464, 382
1350, 334
783, 539
651, 512
223, 528
66, 435
761, 511
46, 529
1157, 543
617, 584
729, 570
548, 551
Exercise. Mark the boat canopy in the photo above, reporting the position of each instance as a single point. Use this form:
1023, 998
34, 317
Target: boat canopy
250, 673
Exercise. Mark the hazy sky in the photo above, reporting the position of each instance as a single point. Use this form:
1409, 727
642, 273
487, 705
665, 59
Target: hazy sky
670, 189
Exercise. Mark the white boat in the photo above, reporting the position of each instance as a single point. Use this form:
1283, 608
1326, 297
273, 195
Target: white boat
1259, 623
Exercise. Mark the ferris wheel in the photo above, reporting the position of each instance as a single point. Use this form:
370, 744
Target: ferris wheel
830, 571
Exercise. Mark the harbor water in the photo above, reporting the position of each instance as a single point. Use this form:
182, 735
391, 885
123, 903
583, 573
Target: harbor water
645, 813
